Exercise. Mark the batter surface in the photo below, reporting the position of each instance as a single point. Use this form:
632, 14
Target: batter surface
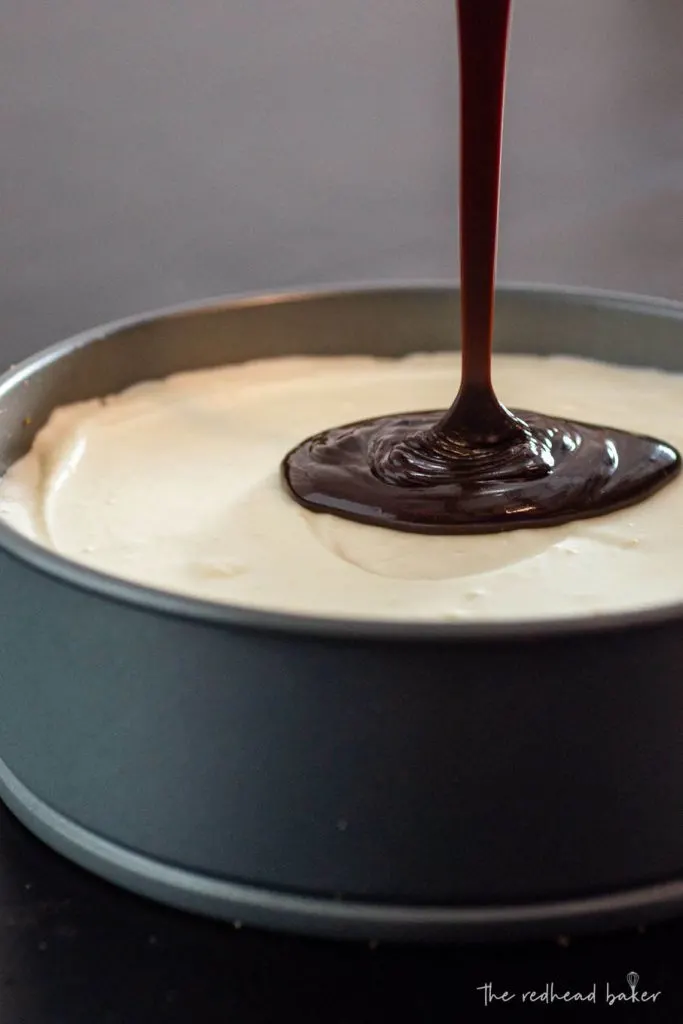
176, 484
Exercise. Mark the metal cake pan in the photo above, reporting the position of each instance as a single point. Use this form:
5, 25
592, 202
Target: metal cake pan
349, 779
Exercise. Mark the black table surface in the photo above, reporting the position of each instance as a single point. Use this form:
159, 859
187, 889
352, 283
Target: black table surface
158, 152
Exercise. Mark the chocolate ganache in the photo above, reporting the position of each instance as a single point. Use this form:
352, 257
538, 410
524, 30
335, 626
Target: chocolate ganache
478, 467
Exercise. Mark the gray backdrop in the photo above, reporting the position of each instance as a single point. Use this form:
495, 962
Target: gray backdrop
154, 151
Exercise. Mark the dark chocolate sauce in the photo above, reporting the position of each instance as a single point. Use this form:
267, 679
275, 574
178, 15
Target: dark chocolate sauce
478, 467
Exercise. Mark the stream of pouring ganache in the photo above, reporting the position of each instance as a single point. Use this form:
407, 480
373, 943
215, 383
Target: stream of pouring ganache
478, 467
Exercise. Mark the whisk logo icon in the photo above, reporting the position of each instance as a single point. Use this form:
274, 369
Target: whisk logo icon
634, 996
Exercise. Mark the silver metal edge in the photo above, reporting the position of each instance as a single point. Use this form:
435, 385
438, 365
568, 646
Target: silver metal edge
270, 909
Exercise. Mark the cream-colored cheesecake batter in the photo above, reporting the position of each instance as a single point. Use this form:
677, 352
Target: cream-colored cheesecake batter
175, 484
